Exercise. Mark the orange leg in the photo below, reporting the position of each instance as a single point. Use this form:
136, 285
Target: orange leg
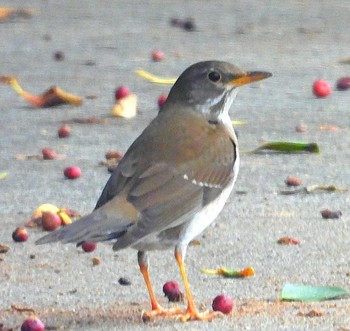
157, 309
191, 311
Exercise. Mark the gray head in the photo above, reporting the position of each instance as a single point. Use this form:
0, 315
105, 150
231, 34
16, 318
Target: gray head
210, 87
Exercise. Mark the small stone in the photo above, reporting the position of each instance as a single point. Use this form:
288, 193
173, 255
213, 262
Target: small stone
329, 214
124, 281
59, 56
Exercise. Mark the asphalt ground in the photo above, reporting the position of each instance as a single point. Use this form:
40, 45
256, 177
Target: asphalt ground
298, 41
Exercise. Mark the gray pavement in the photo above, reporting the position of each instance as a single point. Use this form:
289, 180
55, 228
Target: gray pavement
298, 41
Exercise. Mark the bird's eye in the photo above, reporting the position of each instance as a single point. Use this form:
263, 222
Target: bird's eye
214, 76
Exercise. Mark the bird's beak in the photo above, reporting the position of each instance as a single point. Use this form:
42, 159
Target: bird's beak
249, 77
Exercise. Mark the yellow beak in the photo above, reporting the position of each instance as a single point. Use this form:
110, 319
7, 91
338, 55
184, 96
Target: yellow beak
249, 77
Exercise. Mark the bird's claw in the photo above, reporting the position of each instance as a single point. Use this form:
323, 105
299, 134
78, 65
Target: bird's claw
151, 314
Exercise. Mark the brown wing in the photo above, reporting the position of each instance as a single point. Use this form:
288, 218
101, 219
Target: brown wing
191, 171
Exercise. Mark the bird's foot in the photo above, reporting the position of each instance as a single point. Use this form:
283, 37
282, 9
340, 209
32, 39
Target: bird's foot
194, 315
159, 311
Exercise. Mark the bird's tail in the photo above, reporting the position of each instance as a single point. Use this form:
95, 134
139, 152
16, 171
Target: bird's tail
95, 227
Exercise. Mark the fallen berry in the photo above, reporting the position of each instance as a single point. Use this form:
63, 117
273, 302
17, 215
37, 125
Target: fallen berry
292, 181
172, 291
64, 131
321, 88
48, 153
88, 246
33, 324
50, 221
223, 303
20, 235
329, 214
158, 55
59, 56
161, 100
124, 281
343, 83
122, 92
72, 172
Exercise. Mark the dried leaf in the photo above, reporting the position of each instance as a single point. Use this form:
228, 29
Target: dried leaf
312, 188
54, 96
22, 308
37, 157
89, 120
4, 248
7, 13
155, 79
238, 122
288, 241
329, 127
311, 313
288, 147
125, 107
227, 273
296, 292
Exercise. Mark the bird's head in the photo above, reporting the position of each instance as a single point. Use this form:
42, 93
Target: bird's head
210, 87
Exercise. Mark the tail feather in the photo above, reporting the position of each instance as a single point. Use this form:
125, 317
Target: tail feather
94, 227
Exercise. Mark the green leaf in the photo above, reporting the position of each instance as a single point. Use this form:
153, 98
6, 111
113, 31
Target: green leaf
3, 175
297, 292
288, 147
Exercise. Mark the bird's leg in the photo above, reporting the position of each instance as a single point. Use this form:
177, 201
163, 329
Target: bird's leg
157, 309
191, 312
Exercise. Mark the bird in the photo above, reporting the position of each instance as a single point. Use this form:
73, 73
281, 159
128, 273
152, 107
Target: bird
174, 179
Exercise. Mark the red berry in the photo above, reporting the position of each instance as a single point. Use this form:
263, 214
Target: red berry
321, 88
292, 181
301, 128
122, 92
158, 55
48, 153
88, 246
161, 100
172, 291
33, 324
64, 131
20, 235
50, 221
72, 172
343, 83
223, 303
